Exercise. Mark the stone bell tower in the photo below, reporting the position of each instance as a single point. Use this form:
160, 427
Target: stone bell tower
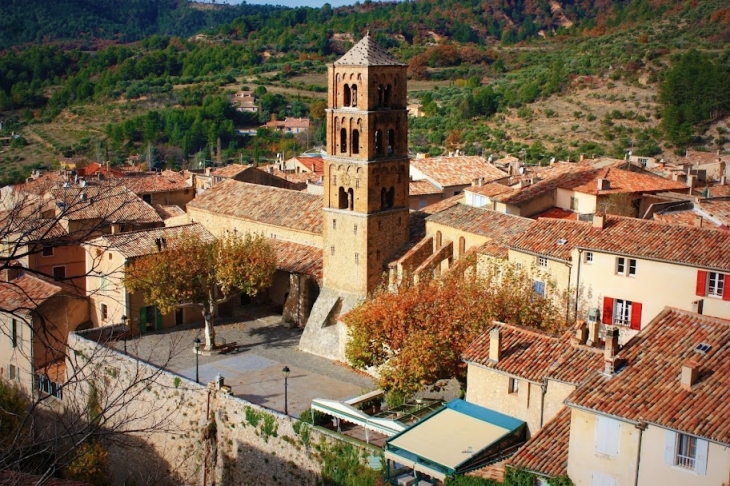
366, 167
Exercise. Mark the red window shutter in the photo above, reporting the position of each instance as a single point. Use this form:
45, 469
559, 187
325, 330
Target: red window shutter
701, 283
608, 310
726, 287
636, 316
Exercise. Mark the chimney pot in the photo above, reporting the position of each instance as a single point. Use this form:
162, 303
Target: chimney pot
610, 350
689, 375
581, 334
495, 345
593, 330
599, 221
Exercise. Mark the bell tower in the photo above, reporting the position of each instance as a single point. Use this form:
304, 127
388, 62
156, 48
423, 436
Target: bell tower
366, 167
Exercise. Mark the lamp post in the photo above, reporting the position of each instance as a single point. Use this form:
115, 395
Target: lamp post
196, 346
286, 372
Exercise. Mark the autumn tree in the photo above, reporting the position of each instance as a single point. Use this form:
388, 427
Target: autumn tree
417, 334
204, 273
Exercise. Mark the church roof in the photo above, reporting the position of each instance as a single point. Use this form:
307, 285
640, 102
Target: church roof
367, 52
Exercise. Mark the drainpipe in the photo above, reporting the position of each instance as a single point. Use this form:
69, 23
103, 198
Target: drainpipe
642, 427
543, 389
577, 282
567, 307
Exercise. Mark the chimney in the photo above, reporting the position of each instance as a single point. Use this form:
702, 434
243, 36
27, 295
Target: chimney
495, 345
82, 196
603, 184
698, 305
698, 221
609, 353
691, 178
599, 221
581, 334
723, 180
12, 272
116, 228
689, 374
593, 329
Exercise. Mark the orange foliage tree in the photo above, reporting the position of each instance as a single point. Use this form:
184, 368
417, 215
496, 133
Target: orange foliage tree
193, 271
417, 334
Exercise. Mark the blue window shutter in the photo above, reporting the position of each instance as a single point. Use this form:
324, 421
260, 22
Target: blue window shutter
539, 287
701, 458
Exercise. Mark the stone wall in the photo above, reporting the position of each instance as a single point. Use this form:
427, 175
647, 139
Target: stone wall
177, 432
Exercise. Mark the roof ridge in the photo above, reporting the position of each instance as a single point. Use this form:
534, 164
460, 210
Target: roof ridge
528, 330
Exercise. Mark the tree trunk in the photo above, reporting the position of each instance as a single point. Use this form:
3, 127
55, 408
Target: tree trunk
208, 315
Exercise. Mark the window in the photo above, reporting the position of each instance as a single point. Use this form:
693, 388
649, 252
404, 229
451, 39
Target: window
589, 257
47, 251
632, 267
542, 262
334, 224
332, 250
539, 288
621, 312
607, 435
354, 229
13, 373
103, 285
620, 265
59, 273
685, 451
624, 264
357, 259
574, 204
715, 283
14, 333
104, 312
514, 385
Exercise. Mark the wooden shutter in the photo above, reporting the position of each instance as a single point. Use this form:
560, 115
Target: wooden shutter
701, 457
670, 446
726, 287
701, 289
607, 317
636, 316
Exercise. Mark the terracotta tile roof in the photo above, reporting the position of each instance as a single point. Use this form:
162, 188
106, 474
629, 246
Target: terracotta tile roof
167, 212
442, 205
367, 52
489, 190
295, 258
112, 203
696, 157
229, 171
313, 164
484, 222
457, 171
494, 249
422, 188
684, 245
717, 209
26, 292
526, 353
20, 229
718, 190
576, 363
41, 185
269, 205
688, 217
647, 388
557, 213
139, 243
147, 183
546, 453
89, 170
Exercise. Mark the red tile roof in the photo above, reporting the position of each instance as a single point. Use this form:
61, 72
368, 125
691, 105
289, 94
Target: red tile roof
647, 388
295, 258
484, 222
229, 171
556, 213
144, 242
457, 171
546, 453
489, 190
26, 292
442, 204
576, 363
167, 211
111, 203
269, 205
148, 183
684, 245
313, 164
422, 188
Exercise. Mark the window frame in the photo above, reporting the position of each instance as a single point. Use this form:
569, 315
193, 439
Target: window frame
620, 266
104, 311
622, 312
718, 288
542, 261
589, 258
514, 386
59, 267
685, 451
631, 272
47, 251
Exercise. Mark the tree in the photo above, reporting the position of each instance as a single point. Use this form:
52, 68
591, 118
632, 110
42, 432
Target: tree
202, 273
418, 333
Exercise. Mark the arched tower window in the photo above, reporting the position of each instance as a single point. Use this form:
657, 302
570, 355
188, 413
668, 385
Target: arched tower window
391, 141
380, 96
354, 95
350, 199
391, 197
379, 142
355, 141
343, 140
346, 96
386, 96
383, 198
438, 240
342, 199
462, 247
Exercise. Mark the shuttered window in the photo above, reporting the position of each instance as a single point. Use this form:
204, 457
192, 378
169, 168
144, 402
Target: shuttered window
607, 435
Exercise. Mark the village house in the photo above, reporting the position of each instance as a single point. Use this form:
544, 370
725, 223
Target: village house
625, 270
245, 101
423, 193
451, 175
38, 315
107, 258
289, 125
164, 188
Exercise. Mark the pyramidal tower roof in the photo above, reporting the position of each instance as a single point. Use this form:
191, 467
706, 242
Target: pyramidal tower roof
367, 52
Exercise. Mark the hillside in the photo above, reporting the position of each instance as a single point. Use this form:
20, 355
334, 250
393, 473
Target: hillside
533, 79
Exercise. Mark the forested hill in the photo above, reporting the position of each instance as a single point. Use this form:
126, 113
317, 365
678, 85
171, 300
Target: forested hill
85, 21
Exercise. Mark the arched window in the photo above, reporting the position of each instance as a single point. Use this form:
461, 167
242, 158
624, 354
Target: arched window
386, 96
462, 247
438, 240
346, 96
354, 95
379, 142
391, 141
383, 198
391, 198
350, 199
355, 141
343, 140
380, 96
342, 199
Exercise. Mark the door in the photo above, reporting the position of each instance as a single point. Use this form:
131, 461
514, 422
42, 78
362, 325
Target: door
142, 320
178, 316
158, 319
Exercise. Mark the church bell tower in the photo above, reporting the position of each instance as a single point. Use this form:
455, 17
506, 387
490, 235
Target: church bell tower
366, 168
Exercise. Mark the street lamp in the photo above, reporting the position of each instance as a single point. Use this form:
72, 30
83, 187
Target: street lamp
286, 372
196, 346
